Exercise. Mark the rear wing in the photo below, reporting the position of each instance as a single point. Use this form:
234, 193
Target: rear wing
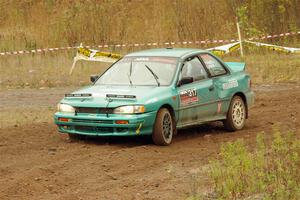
236, 66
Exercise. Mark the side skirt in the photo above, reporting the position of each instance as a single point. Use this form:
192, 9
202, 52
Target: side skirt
217, 118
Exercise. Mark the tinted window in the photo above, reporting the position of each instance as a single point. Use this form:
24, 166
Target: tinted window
193, 68
214, 66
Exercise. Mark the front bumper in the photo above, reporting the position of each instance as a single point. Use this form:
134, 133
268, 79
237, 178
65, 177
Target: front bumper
105, 125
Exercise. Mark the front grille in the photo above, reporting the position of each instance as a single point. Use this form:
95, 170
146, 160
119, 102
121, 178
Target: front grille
93, 121
106, 110
89, 110
95, 129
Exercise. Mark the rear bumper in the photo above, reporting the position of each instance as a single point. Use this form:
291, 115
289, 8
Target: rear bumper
103, 125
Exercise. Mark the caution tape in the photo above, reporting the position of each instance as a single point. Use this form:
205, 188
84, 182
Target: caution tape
150, 44
153, 44
36, 51
91, 54
224, 49
275, 47
87, 54
274, 36
84, 53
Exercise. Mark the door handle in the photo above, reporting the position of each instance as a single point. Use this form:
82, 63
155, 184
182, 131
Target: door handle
211, 88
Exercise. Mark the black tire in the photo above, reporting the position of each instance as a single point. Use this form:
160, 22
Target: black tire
164, 128
236, 115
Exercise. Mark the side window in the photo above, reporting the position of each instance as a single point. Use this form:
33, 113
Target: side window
193, 68
214, 66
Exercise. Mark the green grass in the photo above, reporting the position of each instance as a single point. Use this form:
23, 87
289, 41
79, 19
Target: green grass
271, 171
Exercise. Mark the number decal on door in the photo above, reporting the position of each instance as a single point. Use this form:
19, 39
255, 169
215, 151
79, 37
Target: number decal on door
188, 96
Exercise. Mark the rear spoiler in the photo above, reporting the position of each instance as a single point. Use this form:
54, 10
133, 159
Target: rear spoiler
236, 66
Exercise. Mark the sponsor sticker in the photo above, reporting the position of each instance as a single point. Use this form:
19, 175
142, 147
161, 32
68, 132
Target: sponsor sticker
230, 84
78, 95
120, 96
188, 96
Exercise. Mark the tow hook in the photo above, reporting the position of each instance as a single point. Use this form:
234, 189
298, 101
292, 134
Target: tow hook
139, 128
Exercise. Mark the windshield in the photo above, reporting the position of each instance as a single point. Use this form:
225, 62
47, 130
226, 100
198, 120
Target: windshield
140, 71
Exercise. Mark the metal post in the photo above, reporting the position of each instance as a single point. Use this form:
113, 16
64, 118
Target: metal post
240, 38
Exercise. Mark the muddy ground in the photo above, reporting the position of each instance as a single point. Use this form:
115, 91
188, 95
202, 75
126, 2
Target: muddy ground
36, 162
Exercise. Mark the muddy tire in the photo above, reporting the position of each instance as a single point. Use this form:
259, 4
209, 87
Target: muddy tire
236, 115
163, 128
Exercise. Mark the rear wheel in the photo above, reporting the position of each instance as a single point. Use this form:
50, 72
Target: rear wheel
236, 115
163, 128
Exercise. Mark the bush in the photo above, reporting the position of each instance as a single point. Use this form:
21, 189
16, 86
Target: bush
270, 172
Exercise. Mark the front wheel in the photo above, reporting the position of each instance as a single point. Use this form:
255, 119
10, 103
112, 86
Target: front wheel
236, 115
163, 128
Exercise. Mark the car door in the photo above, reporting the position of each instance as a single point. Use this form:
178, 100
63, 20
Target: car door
197, 101
221, 81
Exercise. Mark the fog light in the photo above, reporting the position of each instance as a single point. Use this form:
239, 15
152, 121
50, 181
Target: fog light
62, 119
122, 122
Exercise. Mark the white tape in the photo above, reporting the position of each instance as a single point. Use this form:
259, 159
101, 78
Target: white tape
276, 47
149, 44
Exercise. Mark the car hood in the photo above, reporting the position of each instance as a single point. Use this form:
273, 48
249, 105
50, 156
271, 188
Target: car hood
112, 96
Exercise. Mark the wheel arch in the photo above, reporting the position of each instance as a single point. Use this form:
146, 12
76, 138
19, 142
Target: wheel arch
243, 96
172, 112
170, 108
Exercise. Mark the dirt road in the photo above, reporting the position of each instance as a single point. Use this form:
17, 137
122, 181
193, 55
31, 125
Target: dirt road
38, 163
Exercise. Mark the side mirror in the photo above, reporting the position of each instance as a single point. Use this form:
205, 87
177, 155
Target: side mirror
93, 78
185, 80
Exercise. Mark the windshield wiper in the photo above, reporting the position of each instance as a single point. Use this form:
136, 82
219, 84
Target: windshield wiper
129, 79
129, 75
154, 75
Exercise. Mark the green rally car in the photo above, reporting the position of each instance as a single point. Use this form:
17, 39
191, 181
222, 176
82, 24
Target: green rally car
157, 91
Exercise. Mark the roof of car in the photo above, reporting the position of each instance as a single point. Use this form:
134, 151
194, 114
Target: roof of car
167, 52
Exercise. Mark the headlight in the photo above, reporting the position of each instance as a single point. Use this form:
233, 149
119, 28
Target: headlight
65, 108
129, 110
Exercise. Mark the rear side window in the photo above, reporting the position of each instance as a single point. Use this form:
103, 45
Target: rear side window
214, 67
